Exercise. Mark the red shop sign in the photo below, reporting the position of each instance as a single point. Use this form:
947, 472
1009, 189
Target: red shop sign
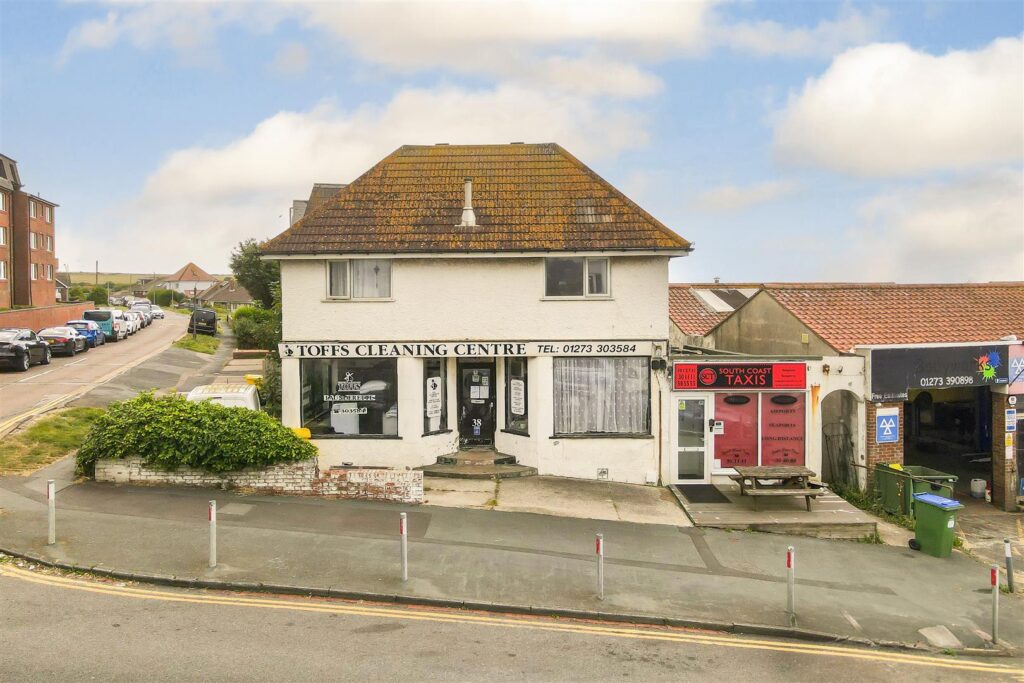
740, 375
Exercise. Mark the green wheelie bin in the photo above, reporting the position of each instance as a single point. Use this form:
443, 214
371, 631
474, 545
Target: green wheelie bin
935, 523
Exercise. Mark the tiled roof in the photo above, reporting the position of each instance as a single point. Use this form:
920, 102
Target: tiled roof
689, 313
846, 315
228, 292
190, 271
535, 197
321, 194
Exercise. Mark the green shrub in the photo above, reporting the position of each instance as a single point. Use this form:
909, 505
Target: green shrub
98, 295
170, 432
256, 328
270, 388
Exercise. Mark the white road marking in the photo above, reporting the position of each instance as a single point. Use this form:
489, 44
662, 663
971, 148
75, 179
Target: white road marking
38, 374
849, 618
68, 365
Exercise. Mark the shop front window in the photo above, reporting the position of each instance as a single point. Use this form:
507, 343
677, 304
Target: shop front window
602, 396
782, 429
516, 403
350, 397
736, 445
435, 395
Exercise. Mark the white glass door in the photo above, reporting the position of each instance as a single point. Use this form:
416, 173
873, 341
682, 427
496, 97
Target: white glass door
691, 438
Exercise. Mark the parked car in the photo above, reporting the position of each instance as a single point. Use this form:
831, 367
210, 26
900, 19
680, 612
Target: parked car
134, 321
91, 330
20, 348
117, 300
114, 327
203, 321
64, 340
146, 311
157, 312
228, 395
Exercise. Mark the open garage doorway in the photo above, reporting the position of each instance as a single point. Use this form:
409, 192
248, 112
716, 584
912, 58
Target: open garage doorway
951, 430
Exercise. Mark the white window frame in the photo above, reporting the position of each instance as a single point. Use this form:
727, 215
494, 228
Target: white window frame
3, 202
3, 235
586, 279
3, 270
33, 209
49, 242
33, 240
48, 270
48, 214
348, 295
35, 271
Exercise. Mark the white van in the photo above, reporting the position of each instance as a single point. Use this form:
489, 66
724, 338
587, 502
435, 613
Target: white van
227, 395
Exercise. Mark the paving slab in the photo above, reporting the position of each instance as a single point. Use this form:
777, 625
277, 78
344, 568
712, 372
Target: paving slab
458, 493
591, 499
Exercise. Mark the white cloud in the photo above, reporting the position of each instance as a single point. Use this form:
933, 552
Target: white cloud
201, 201
887, 109
736, 198
594, 47
967, 229
291, 60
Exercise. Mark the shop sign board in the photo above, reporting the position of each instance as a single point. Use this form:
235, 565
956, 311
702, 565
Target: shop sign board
462, 349
894, 371
734, 376
887, 425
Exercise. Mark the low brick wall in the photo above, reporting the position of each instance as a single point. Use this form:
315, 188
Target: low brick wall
302, 478
43, 316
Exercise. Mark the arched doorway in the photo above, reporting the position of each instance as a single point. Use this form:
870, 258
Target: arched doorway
839, 438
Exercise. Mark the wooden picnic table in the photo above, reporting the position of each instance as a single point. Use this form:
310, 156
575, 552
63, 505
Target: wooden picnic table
780, 480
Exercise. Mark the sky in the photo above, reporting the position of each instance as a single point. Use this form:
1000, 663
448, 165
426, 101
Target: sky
789, 141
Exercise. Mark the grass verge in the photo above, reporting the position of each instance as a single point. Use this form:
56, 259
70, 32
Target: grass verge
869, 502
203, 343
46, 441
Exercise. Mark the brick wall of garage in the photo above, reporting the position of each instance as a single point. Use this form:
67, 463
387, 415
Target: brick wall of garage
43, 316
882, 452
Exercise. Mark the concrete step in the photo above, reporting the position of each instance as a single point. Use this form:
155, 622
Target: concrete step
478, 471
477, 457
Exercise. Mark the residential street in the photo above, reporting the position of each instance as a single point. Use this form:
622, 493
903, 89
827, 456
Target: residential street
57, 628
21, 392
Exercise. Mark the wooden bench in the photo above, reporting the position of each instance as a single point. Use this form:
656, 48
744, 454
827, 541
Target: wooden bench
780, 480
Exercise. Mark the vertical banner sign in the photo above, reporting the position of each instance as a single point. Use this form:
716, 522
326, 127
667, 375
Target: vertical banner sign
1011, 420
782, 429
517, 397
887, 425
433, 397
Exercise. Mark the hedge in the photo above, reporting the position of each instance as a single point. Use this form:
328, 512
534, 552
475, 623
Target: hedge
170, 432
256, 328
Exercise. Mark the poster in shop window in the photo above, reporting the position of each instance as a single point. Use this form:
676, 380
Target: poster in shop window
517, 397
737, 444
433, 397
782, 429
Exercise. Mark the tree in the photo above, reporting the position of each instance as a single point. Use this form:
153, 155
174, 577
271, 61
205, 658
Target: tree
253, 273
98, 295
76, 294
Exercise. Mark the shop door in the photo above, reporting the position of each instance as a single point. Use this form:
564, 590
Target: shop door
693, 416
476, 403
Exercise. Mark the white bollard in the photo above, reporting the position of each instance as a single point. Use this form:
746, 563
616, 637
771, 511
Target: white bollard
599, 550
995, 604
791, 584
213, 533
51, 512
403, 530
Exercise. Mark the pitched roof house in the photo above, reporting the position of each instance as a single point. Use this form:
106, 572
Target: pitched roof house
190, 280
478, 295
227, 293
695, 309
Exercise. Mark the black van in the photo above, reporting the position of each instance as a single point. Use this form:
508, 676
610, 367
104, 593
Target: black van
203, 321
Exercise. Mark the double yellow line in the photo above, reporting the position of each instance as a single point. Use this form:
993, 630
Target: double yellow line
326, 606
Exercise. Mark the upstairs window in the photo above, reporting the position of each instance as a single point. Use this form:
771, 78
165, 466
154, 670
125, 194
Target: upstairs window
576, 277
359, 279
3, 270
48, 269
49, 242
33, 209
35, 271
3, 236
33, 240
48, 213
3, 198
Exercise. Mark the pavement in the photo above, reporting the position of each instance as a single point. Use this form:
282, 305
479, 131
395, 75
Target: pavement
561, 497
983, 528
520, 560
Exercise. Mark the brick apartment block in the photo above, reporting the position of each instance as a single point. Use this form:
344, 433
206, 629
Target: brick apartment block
28, 263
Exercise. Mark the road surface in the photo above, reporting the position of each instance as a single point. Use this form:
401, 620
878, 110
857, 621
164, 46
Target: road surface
42, 385
63, 628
